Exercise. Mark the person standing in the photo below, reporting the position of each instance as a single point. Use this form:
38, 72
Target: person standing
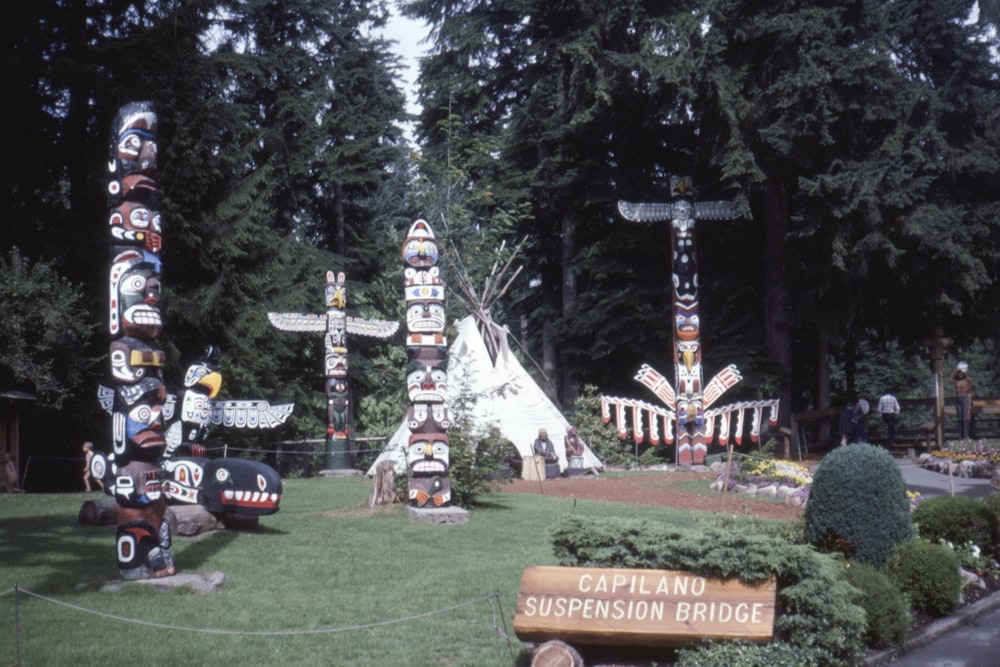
574, 448
88, 455
888, 407
963, 397
9, 472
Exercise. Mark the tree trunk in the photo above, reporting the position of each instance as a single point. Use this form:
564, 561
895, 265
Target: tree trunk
823, 375
339, 224
777, 302
569, 297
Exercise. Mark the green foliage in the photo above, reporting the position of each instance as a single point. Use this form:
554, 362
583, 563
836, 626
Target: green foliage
886, 608
600, 437
819, 618
928, 574
958, 519
44, 326
476, 460
858, 504
992, 501
745, 654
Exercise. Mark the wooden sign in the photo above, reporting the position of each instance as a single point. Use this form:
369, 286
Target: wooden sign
640, 607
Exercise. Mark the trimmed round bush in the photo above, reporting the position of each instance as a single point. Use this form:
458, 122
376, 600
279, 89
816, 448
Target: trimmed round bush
928, 574
958, 519
887, 611
858, 505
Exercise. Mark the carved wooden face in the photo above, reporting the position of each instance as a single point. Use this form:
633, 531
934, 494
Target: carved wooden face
335, 292
136, 225
134, 144
425, 317
687, 324
336, 362
428, 454
427, 384
413, 277
428, 418
420, 251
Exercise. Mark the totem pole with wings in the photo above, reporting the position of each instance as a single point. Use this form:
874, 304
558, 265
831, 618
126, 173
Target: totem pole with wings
687, 415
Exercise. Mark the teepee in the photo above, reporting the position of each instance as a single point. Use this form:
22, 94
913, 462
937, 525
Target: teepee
509, 399
481, 363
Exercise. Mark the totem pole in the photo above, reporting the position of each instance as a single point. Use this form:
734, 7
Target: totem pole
336, 326
428, 451
688, 408
150, 465
142, 537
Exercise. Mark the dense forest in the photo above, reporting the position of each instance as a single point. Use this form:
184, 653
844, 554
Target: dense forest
860, 139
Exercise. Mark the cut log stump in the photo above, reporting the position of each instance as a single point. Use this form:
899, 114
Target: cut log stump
384, 491
556, 653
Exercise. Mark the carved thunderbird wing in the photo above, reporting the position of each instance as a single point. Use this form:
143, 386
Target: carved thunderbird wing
371, 328
298, 322
250, 414
657, 211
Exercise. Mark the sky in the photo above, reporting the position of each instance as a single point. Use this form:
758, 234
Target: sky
407, 34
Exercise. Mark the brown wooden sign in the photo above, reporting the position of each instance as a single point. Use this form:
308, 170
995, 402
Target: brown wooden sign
640, 607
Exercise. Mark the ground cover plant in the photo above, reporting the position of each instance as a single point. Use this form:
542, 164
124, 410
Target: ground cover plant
325, 561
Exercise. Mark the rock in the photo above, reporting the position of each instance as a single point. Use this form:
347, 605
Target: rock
189, 520
771, 490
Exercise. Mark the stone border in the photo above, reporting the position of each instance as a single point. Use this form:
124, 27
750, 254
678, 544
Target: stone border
968, 469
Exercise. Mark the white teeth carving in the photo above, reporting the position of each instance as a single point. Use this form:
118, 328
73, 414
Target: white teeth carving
250, 498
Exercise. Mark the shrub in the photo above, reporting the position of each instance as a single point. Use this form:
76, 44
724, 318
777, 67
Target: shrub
885, 606
818, 621
600, 437
858, 504
928, 574
476, 458
959, 520
743, 654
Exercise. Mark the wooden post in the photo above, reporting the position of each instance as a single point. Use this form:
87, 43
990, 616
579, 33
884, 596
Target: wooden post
937, 344
729, 462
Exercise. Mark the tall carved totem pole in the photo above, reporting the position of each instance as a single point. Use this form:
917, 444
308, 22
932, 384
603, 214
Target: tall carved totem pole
428, 450
142, 537
688, 410
335, 325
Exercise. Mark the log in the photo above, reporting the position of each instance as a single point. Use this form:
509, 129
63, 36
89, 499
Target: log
556, 653
100, 512
384, 491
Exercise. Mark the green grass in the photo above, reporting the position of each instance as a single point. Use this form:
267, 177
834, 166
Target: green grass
323, 563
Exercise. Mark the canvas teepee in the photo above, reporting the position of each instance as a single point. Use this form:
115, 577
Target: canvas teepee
481, 364
508, 397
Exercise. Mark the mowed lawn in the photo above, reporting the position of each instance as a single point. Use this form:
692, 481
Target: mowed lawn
325, 581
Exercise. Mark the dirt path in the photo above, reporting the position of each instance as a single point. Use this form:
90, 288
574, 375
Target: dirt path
657, 488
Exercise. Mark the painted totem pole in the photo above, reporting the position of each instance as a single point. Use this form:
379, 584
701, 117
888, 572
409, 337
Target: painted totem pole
688, 407
336, 325
150, 465
428, 450
142, 538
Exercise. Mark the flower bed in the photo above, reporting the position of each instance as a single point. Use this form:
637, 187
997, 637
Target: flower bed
964, 459
765, 477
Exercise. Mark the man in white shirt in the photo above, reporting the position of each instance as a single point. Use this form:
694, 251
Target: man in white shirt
888, 406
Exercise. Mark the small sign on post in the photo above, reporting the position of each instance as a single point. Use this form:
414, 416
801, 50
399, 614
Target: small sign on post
645, 608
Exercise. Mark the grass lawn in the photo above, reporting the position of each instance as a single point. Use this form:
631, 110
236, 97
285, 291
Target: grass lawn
325, 581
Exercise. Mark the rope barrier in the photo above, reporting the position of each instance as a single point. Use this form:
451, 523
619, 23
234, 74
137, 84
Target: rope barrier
494, 596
